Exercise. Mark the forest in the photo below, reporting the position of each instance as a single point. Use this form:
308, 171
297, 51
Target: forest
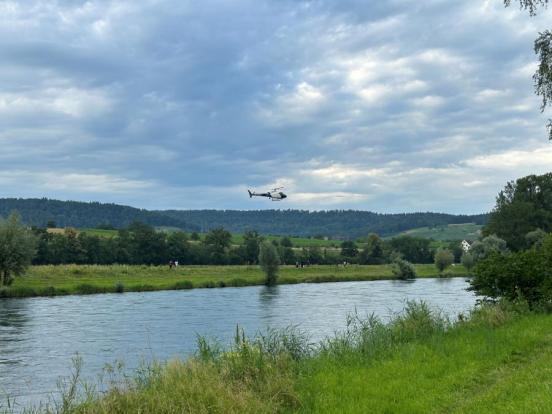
335, 224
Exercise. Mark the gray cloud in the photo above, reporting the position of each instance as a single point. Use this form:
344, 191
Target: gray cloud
392, 106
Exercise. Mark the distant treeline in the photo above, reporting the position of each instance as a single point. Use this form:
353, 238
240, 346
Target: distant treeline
143, 244
340, 224
41, 211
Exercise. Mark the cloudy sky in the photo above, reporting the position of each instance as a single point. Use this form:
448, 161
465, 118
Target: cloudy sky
389, 106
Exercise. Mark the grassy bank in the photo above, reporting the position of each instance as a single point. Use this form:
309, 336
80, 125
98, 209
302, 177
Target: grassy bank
497, 360
88, 279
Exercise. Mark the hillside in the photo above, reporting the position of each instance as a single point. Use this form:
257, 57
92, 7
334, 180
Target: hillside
340, 224
39, 211
336, 224
466, 231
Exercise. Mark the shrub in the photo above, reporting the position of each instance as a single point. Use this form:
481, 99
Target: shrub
184, 284
526, 274
237, 282
88, 289
402, 269
119, 287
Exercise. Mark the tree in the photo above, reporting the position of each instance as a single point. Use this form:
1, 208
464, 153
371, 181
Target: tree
178, 247
17, 248
403, 269
543, 48
443, 259
535, 238
467, 261
349, 249
526, 274
286, 242
251, 242
269, 262
456, 248
373, 250
522, 206
490, 244
146, 245
218, 242
413, 249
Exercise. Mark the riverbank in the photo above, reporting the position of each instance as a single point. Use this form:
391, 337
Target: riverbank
90, 279
496, 360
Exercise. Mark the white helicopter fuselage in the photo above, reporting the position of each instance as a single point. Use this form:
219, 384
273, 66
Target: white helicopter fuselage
273, 195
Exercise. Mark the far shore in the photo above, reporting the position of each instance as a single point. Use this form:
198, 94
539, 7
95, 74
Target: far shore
93, 279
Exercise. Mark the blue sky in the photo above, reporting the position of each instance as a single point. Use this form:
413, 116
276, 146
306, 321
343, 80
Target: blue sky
393, 106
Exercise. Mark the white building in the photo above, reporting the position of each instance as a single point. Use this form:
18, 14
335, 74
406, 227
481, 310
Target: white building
465, 245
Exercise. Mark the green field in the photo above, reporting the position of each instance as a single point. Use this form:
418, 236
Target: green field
85, 279
468, 231
237, 239
496, 360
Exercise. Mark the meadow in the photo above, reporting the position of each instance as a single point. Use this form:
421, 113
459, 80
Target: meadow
468, 231
497, 359
53, 280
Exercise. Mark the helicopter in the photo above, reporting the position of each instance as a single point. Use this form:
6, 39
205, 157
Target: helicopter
275, 194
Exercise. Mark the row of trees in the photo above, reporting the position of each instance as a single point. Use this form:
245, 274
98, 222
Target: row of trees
142, 244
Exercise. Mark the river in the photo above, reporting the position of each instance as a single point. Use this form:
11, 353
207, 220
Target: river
39, 336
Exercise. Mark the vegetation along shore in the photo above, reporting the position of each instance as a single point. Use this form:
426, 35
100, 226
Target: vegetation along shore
88, 279
496, 359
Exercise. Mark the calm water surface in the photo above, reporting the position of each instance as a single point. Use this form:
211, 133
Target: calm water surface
38, 336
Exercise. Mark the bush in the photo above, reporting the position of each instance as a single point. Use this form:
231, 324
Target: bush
119, 287
402, 269
526, 274
87, 289
184, 284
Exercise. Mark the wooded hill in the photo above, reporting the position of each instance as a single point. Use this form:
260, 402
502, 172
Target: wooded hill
39, 211
338, 224
342, 224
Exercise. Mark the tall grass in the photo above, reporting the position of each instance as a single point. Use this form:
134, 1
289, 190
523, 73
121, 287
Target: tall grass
282, 370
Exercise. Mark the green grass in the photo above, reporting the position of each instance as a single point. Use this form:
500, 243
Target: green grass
496, 361
100, 232
468, 231
86, 279
237, 239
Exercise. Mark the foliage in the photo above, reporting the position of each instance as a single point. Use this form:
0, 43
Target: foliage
17, 248
543, 48
443, 259
270, 262
349, 249
413, 249
66, 279
338, 224
488, 245
217, 242
467, 261
535, 238
251, 242
523, 206
373, 251
403, 269
525, 274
